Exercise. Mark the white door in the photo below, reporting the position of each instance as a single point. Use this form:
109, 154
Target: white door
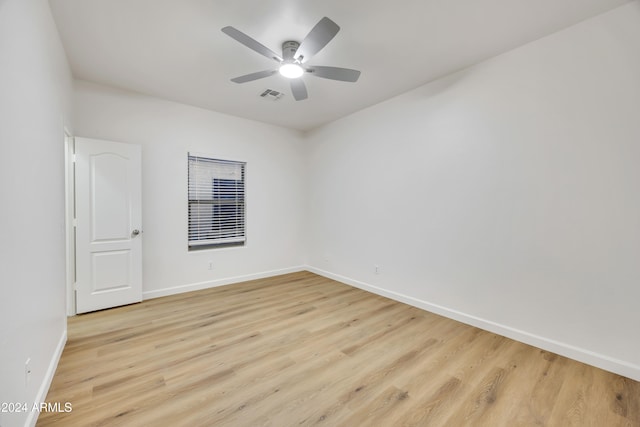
108, 224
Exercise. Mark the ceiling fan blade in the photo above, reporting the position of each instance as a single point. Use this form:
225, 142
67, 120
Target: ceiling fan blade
251, 43
254, 76
298, 89
335, 73
317, 38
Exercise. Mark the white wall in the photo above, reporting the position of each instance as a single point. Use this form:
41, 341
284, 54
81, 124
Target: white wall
167, 131
505, 195
35, 85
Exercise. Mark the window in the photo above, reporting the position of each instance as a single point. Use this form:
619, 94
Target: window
216, 202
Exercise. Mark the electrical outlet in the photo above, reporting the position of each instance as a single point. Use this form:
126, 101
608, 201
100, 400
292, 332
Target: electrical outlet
376, 269
210, 265
27, 371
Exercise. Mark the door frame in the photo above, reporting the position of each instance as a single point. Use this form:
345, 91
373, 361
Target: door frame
70, 220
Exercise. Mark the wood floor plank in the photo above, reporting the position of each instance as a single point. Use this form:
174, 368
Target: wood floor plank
440, 382
301, 349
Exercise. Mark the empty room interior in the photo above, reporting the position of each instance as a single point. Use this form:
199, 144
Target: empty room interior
334, 213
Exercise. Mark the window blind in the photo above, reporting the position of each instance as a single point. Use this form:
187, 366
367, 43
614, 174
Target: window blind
216, 201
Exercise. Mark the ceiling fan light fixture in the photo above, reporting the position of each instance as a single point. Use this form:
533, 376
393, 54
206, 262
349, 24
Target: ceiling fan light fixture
291, 70
294, 54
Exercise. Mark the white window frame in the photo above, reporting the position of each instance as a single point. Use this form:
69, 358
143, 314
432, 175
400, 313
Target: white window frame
216, 198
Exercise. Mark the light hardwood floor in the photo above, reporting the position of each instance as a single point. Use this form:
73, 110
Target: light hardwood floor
303, 350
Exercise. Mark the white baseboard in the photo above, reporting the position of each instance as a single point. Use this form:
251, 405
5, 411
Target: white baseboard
46, 382
219, 282
598, 360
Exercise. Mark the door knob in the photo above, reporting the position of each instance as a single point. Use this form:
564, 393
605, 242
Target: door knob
135, 232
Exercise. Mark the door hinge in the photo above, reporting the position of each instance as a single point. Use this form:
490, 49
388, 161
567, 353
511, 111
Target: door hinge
73, 158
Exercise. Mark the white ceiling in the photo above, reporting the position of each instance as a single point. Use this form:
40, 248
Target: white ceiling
174, 49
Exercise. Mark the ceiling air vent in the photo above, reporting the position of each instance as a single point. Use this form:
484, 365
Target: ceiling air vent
271, 94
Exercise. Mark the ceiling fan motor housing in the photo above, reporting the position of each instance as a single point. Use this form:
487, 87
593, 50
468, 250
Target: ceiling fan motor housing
289, 48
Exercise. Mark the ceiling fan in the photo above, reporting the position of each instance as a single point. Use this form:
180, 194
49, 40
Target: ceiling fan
294, 56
